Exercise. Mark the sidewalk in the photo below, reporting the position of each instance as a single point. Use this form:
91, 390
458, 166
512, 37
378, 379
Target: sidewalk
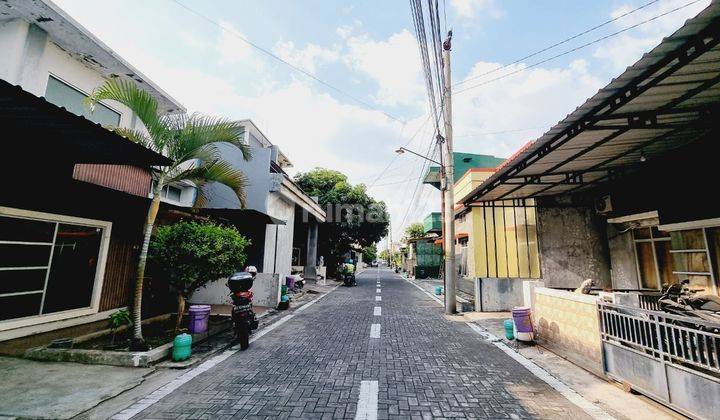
34, 389
606, 395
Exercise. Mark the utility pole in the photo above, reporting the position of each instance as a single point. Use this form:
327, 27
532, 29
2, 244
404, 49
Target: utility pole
448, 183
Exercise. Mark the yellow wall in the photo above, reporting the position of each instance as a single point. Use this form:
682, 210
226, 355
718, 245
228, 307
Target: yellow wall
568, 324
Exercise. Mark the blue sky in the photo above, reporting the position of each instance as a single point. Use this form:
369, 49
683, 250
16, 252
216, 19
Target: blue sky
367, 49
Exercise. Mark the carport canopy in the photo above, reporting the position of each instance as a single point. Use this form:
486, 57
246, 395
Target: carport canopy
668, 99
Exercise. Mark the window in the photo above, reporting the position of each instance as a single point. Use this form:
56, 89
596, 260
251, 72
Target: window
47, 266
691, 257
652, 252
62, 94
170, 192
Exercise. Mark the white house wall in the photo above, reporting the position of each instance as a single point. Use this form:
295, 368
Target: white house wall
30, 58
279, 261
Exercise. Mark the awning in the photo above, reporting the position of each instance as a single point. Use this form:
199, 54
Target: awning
461, 235
36, 131
666, 100
234, 216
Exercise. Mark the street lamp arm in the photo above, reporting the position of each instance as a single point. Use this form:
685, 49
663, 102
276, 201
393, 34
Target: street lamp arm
403, 150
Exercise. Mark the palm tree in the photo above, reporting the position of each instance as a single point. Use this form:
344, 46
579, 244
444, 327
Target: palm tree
191, 142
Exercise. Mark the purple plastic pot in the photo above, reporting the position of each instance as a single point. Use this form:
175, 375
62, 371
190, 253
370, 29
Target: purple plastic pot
290, 282
522, 317
199, 316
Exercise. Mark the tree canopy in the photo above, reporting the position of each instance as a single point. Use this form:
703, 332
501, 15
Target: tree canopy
415, 231
353, 217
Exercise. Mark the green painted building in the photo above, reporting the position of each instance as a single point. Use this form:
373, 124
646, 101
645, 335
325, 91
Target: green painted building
463, 162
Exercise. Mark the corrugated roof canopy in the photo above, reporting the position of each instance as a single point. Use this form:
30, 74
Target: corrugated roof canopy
36, 131
667, 99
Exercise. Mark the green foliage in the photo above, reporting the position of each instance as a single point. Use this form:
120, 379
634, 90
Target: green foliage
369, 253
120, 318
415, 231
189, 140
191, 254
346, 228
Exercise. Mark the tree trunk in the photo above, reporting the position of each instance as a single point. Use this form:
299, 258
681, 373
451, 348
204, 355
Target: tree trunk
180, 312
140, 275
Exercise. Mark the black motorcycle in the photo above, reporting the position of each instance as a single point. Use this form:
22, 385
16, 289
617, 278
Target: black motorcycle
679, 299
244, 319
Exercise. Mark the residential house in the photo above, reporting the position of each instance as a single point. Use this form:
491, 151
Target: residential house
77, 205
624, 193
495, 243
275, 248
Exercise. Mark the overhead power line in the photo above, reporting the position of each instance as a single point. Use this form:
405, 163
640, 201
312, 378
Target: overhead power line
557, 44
576, 48
270, 54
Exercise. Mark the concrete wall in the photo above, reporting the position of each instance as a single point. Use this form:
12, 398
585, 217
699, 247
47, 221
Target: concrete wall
567, 324
266, 292
622, 259
279, 238
30, 57
257, 172
499, 294
573, 245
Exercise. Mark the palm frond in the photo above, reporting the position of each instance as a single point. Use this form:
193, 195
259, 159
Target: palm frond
203, 172
196, 131
139, 101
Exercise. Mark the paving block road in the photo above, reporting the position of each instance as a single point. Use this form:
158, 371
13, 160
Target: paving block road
344, 358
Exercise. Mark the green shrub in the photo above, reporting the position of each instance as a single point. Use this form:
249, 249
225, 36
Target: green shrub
191, 254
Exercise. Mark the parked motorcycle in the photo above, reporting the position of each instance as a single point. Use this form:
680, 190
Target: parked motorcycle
679, 299
244, 319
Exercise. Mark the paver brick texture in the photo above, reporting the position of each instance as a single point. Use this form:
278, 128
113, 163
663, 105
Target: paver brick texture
311, 367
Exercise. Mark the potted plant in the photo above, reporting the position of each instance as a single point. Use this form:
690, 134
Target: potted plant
191, 254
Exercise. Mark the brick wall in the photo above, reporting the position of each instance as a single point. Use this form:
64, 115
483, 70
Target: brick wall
568, 325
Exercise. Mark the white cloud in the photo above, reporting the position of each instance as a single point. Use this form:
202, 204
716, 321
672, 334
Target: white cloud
536, 97
306, 58
394, 64
231, 48
471, 8
625, 49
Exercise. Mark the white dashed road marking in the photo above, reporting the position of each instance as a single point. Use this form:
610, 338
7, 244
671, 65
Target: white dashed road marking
367, 406
375, 331
378, 298
378, 291
377, 311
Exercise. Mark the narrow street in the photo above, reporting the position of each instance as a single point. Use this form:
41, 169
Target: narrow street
326, 363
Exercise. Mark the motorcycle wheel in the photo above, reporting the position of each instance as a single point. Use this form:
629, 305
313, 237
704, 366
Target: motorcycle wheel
242, 333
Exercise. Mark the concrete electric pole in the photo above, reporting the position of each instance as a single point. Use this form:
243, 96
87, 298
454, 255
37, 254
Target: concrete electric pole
448, 182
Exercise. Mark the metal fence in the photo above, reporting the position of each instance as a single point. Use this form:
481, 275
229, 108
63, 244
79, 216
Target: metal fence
674, 359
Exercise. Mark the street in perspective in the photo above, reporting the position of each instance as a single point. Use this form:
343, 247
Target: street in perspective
359, 210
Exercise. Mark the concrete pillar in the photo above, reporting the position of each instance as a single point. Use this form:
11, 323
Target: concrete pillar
312, 241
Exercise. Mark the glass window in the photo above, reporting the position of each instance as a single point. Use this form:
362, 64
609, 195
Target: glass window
37, 277
61, 94
173, 193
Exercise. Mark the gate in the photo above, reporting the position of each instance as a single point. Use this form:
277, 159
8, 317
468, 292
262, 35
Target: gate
673, 359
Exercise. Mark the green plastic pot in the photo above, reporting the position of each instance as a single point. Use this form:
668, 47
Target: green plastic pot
182, 347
